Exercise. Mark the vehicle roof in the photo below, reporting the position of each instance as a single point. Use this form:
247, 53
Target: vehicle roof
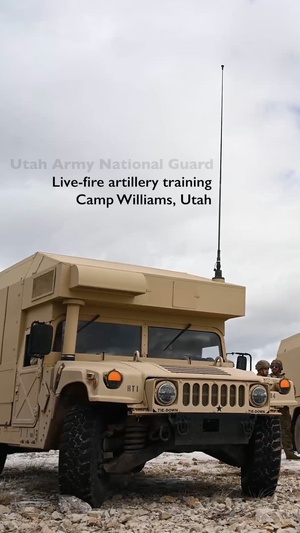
31, 264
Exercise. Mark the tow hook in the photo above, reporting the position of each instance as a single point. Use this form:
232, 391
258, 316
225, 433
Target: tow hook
180, 423
248, 426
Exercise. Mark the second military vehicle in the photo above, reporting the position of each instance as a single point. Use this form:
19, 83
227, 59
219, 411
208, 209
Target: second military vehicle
289, 354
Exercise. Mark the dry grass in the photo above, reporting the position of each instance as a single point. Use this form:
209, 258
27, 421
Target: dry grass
6, 497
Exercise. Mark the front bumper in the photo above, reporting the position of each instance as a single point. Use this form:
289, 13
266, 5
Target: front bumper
202, 430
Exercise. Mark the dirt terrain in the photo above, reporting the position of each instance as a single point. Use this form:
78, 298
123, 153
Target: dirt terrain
174, 493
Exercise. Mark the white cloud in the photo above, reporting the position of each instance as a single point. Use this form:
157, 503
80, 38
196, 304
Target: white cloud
141, 80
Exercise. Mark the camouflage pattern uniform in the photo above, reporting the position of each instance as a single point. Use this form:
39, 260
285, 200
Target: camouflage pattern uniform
285, 419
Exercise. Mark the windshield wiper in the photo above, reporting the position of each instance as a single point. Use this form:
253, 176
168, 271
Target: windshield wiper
88, 323
177, 336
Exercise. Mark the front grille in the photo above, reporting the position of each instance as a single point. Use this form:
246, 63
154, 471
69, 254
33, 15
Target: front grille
204, 394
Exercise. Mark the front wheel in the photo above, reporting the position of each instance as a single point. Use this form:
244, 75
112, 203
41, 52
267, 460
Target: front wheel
297, 434
81, 471
260, 473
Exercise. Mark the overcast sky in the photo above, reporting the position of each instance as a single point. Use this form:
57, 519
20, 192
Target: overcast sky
140, 81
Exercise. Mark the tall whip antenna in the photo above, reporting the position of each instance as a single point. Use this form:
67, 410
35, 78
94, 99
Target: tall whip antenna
218, 269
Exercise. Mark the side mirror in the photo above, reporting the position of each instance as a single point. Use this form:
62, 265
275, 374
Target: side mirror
40, 339
241, 362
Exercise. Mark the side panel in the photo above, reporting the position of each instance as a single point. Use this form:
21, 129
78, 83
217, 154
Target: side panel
3, 304
10, 318
289, 354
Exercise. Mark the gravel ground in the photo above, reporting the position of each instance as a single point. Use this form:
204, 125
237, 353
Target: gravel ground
174, 493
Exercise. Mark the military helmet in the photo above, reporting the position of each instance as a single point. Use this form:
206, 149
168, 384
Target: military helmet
277, 362
262, 364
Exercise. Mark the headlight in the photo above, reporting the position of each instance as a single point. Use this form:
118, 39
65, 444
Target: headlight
166, 393
258, 396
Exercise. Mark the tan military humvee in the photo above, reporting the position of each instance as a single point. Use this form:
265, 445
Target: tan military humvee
289, 354
114, 364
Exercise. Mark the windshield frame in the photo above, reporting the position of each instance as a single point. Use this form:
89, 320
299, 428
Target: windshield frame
145, 333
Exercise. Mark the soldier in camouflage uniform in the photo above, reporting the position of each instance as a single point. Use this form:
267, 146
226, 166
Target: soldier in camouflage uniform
285, 419
262, 368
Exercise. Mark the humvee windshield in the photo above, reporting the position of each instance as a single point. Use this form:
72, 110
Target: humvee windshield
189, 344
125, 339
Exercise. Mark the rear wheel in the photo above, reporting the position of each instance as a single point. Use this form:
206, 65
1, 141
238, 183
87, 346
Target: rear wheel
3, 455
81, 471
259, 476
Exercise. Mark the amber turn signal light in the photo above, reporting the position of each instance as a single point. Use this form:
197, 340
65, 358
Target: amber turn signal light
113, 379
284, 386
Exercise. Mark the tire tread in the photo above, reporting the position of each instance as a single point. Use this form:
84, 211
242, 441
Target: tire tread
80, 471
260, 475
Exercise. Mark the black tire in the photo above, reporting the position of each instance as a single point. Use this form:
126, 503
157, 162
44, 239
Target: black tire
3, 455
296, 434
259, 476
80, 456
